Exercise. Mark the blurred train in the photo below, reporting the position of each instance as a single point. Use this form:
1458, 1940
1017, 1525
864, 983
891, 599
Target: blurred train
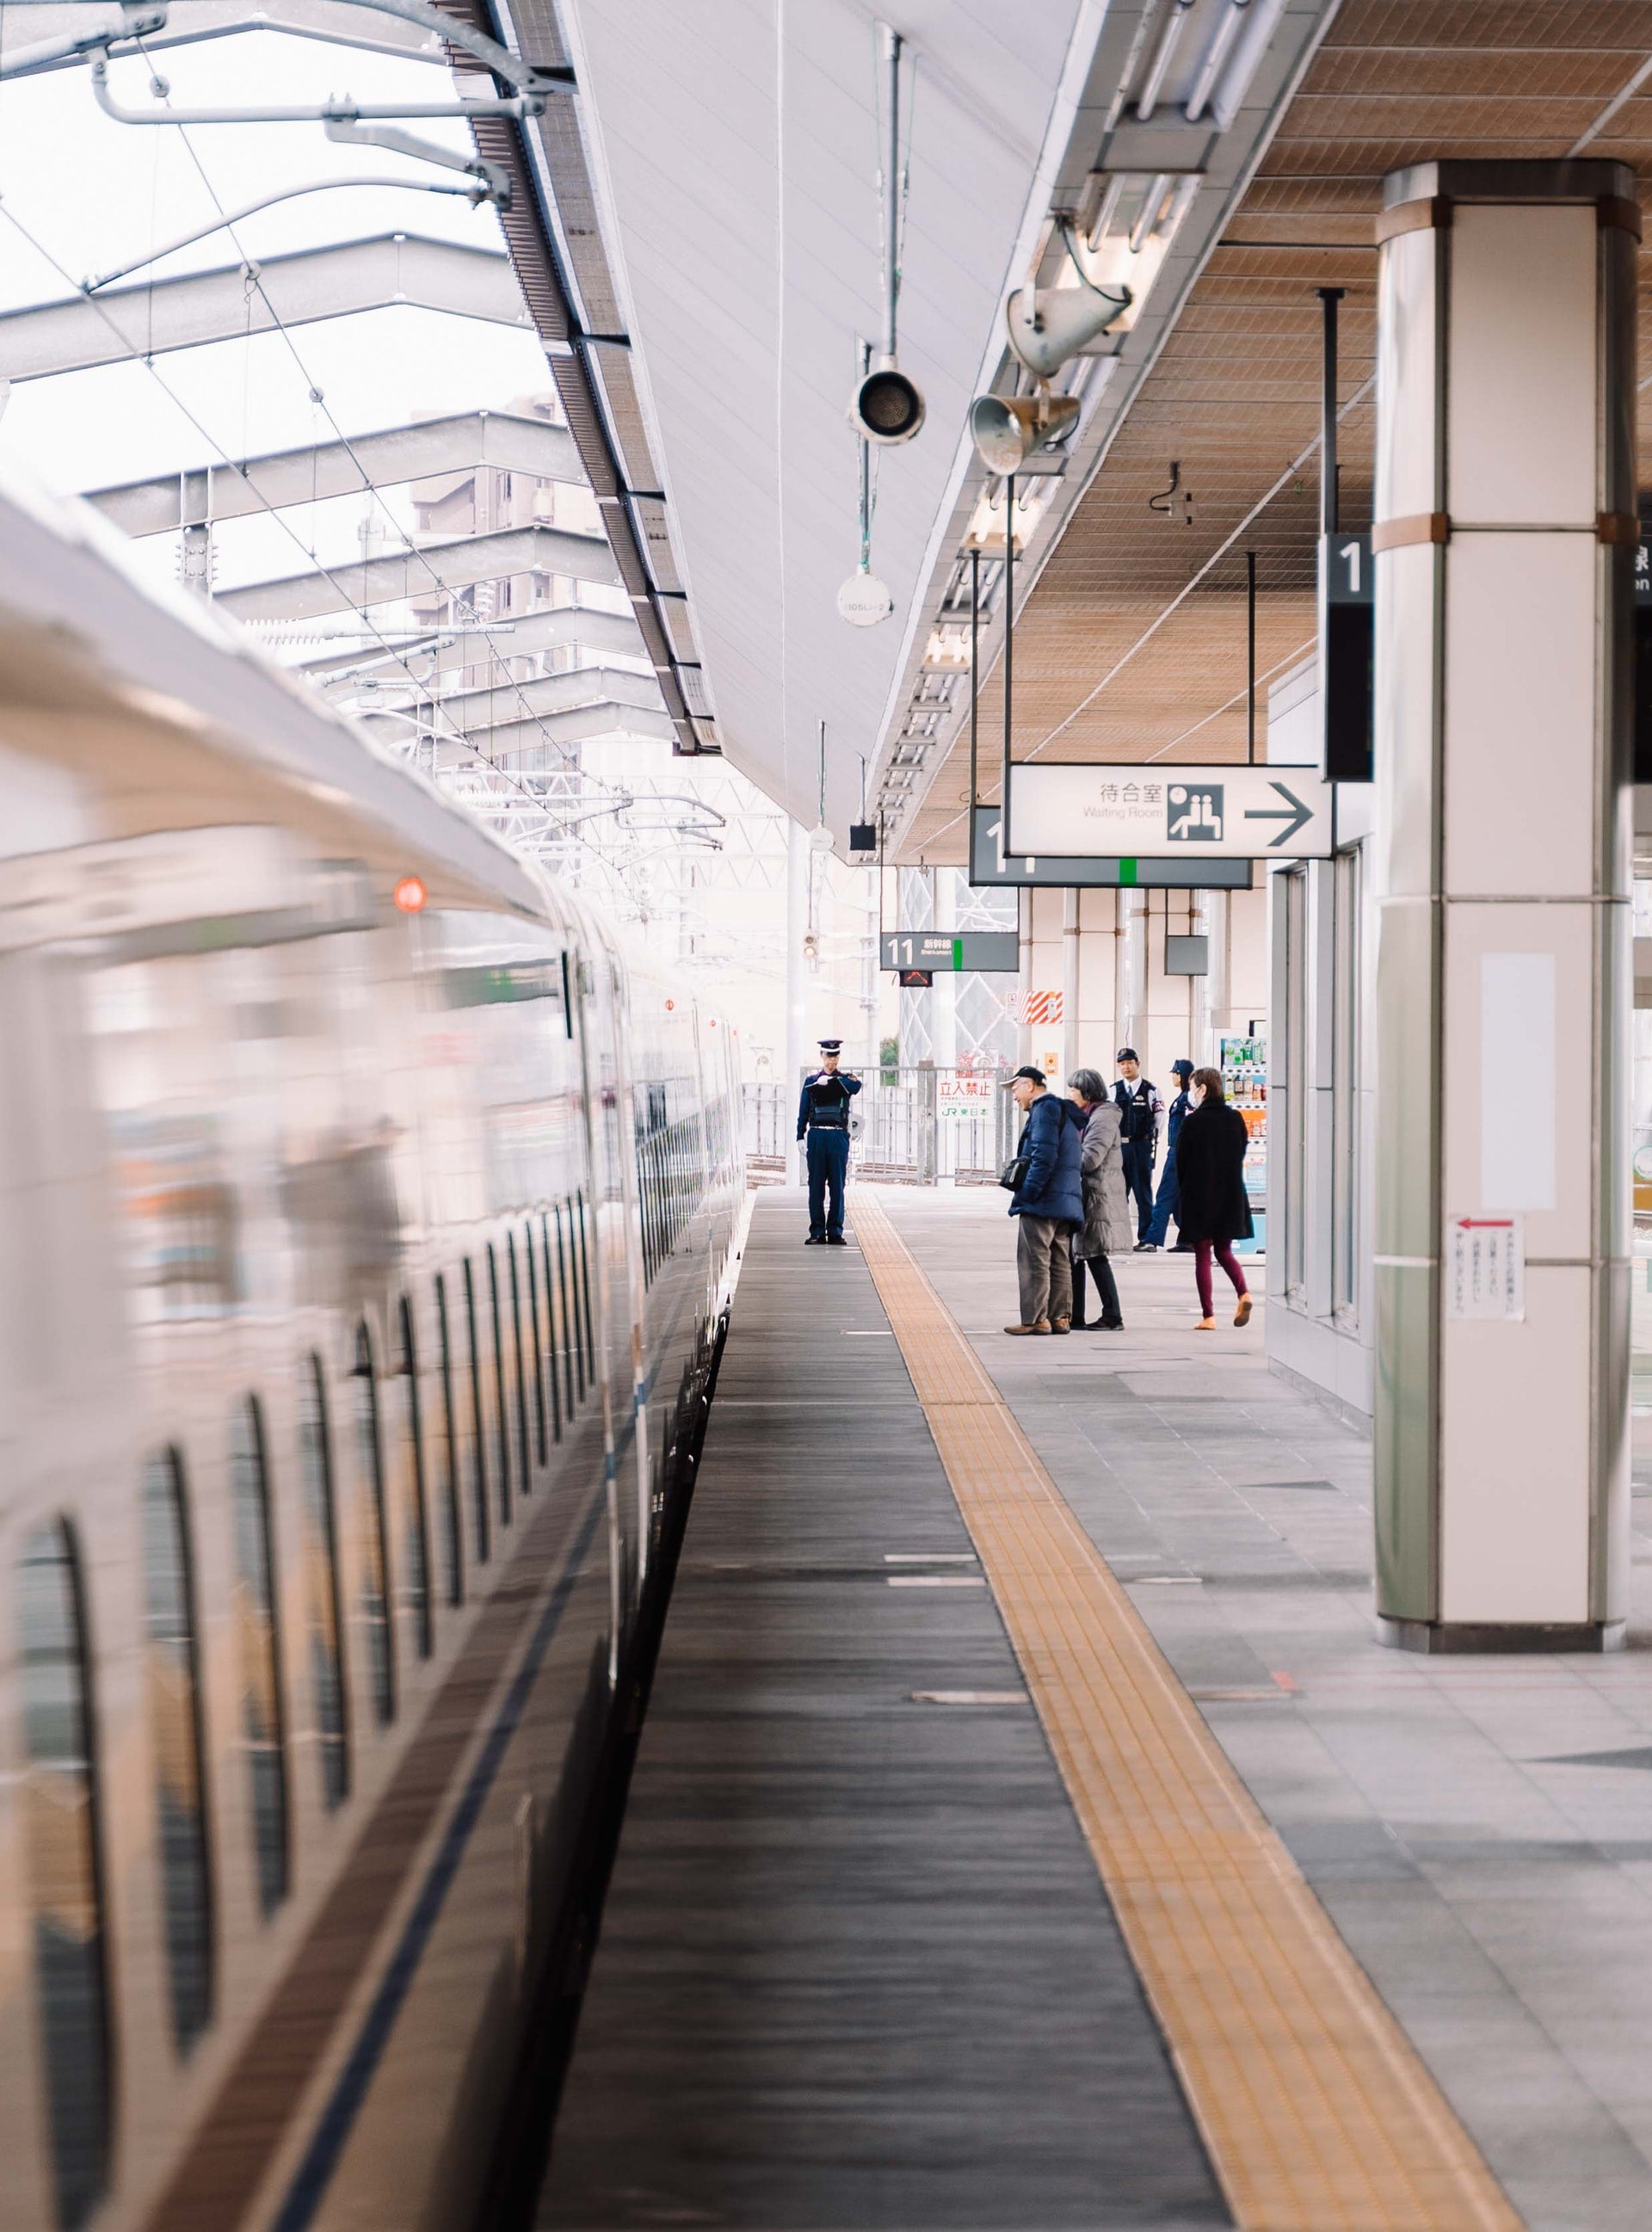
367, 1227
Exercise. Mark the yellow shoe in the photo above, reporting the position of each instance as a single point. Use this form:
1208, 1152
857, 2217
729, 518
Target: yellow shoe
1206, 1324
1242, 1315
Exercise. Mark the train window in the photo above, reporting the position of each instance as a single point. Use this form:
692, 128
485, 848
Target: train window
564, 1286
553, 1373
412, 1469
375, 1567
585, 1288
254, 1603
447, 1456
518, 1368
535, 1342
501, 1393
479, 1439
173, 1682
323, 1609
61, 1834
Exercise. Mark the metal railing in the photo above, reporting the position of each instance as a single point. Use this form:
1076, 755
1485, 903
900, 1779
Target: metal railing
912, 1126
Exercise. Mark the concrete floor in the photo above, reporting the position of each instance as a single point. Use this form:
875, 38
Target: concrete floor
1480, 1830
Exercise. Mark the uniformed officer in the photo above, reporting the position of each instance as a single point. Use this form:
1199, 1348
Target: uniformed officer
1139, 1110
823, 1116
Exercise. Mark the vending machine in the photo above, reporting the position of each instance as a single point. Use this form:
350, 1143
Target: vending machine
1244, 1080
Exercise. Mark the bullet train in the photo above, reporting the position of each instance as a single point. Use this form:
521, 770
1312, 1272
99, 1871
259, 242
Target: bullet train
367, 1227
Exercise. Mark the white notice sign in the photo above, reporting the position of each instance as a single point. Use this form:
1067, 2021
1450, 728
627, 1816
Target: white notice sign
1485, 1266
1164, 812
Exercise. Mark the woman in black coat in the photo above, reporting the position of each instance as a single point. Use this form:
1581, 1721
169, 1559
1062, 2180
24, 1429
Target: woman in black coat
1214, 1208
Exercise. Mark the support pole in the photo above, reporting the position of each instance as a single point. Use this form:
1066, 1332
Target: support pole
1505, 537
1069, 982
892, 189
974, 691
1250, 658
1009, 649
797, 977
1329, 297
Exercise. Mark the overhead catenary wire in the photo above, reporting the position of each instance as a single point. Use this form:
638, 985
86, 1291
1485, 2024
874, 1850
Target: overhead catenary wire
442, 722
375, 494
369, 627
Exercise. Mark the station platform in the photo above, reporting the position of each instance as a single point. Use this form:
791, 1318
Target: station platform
1028, 1831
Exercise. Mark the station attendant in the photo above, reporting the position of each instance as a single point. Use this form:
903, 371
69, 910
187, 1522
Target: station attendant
823, 1120
1139, 1110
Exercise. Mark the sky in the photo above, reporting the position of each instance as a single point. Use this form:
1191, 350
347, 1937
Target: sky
95, 194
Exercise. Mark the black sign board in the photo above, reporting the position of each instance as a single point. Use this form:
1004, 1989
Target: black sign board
1042, 870
1347, 628
1643, 650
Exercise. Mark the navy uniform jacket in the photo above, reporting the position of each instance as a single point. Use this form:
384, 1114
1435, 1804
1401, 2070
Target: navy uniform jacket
1179, 1108
1139, 1108
824, 1106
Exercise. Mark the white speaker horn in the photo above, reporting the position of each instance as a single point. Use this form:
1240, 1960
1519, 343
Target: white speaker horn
1048, 325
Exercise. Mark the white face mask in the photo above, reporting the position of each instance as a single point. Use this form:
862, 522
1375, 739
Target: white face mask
1198, 1093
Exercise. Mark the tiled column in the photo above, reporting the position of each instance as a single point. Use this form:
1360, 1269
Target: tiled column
1504, 532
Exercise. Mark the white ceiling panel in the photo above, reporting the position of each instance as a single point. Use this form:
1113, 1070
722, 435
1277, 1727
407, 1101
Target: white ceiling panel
735, 148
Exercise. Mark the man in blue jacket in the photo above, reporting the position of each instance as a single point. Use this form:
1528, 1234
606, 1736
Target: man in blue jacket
1049, 1202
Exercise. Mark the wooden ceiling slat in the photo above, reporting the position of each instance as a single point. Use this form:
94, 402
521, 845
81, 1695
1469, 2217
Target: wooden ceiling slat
1234, 396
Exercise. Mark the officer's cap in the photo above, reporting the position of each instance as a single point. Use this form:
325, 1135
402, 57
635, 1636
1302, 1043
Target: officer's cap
1182, 1068
830, 1046
1127, 1053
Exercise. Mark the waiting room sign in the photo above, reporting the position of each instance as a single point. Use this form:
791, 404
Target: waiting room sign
1229, 813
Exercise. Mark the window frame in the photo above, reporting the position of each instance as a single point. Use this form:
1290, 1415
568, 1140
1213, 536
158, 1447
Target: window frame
189, 2021
273, 1885
377, 1573
320, 1503
75, 2205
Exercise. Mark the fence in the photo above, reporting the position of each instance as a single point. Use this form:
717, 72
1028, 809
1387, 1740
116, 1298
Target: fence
913, 1127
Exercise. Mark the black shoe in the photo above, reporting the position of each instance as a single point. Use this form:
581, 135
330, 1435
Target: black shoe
815, 1240
836, 1240
1111, 1325
1145, 1247
1184, 1248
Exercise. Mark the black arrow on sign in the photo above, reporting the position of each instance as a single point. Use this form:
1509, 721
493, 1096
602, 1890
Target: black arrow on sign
1293, 811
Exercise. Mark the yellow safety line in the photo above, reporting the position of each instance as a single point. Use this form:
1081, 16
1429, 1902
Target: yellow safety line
1317, 2111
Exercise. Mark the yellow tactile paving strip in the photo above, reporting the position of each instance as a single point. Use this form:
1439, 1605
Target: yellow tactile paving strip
1317, 2112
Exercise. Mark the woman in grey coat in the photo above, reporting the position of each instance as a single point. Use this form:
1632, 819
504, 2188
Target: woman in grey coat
1107, 1226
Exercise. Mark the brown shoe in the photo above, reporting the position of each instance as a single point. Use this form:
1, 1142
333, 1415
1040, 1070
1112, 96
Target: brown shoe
1043, 1325
1242, 1315
1061, 1325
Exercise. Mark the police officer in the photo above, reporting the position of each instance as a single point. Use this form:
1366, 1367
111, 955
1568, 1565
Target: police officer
1139, 1110
823, 1115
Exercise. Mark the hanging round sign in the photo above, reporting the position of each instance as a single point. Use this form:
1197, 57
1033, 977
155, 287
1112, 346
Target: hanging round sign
863, 601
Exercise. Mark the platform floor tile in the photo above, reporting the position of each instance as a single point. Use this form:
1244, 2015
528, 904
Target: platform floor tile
857, 1969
